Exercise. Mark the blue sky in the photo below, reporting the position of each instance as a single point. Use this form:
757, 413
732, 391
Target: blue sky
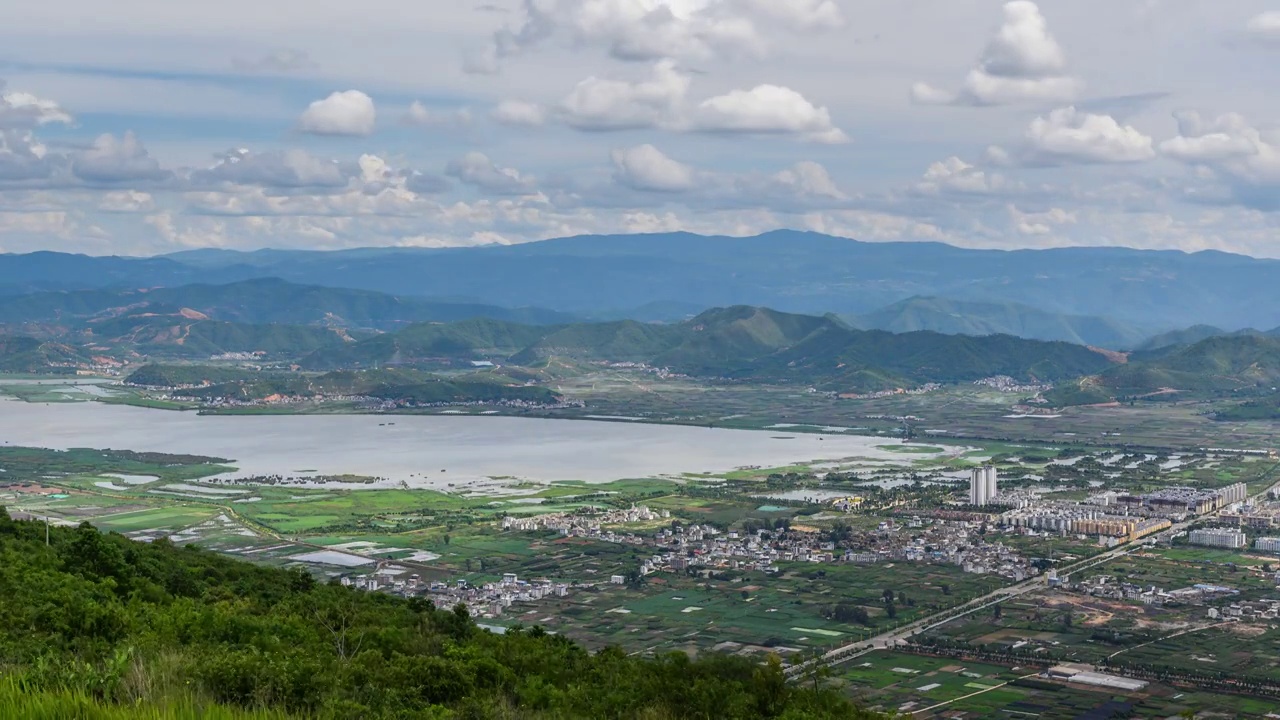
163, 126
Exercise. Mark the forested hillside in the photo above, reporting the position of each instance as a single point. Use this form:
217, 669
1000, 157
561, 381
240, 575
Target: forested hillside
142, 628
738, 343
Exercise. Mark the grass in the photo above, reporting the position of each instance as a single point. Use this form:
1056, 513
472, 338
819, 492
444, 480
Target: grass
164, 518
19, 702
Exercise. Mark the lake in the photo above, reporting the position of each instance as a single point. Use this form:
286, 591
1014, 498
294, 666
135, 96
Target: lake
425, 450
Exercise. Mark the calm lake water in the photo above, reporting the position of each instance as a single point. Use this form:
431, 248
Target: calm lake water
416, 449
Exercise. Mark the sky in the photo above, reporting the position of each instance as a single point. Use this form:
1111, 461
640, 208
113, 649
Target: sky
152, 126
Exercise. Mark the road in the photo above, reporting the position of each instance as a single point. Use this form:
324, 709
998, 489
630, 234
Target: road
898, 635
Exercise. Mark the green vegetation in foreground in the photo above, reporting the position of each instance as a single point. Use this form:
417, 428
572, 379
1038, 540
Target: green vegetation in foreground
19, 701
169, 629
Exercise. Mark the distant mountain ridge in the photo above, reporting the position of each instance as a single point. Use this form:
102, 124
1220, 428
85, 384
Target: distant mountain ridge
957, 317
260, 301
792, 271
737, 343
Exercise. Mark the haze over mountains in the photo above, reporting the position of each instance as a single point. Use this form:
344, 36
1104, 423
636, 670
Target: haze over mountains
1103, 296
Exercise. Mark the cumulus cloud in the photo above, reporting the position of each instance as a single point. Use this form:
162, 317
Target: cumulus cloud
1265, 27
609, 104
116, 160
1040, 223
768, 109
342, 113
127, 201
1247, 157
23, 158
422, 116
955, 176
647, 30
1023, 62
802, 14
478, 170
807, 179
518, 113
661, 101
24, 110
1068, 135
646, 168
284, 169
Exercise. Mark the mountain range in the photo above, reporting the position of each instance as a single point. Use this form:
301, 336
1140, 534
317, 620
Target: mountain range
1225, 365
738, 343
958, 317
594, 276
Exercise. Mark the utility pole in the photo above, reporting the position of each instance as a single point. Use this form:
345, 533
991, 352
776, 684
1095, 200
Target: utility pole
46, 531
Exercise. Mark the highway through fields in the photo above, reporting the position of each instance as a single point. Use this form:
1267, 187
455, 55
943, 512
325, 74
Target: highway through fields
900, 634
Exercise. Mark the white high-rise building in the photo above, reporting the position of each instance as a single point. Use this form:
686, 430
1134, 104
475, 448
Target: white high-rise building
984, 486
1219, 538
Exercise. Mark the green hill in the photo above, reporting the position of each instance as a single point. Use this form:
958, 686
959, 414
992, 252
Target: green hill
958, 317
1178, 338
21, 354
175, 376
192, 337
622, 341
1219, 365
475, 339
94, 626
738, 343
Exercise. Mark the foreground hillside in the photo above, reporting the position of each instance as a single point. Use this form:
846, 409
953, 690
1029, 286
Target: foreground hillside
154, 626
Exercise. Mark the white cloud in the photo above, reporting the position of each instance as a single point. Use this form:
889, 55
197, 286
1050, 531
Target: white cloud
646, 168
1023, 62
23, 158
114, 160
518, 113
807, 180
478, 170
1247, 156
342, 113
1265, 27
647, 30
127, 201
24, 110
1068, 135
286, 169
954, 175
768, 109
1041, 223
422, 116
609, 104
802, 14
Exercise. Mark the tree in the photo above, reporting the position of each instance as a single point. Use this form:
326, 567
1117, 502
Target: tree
996, 612
891, 610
